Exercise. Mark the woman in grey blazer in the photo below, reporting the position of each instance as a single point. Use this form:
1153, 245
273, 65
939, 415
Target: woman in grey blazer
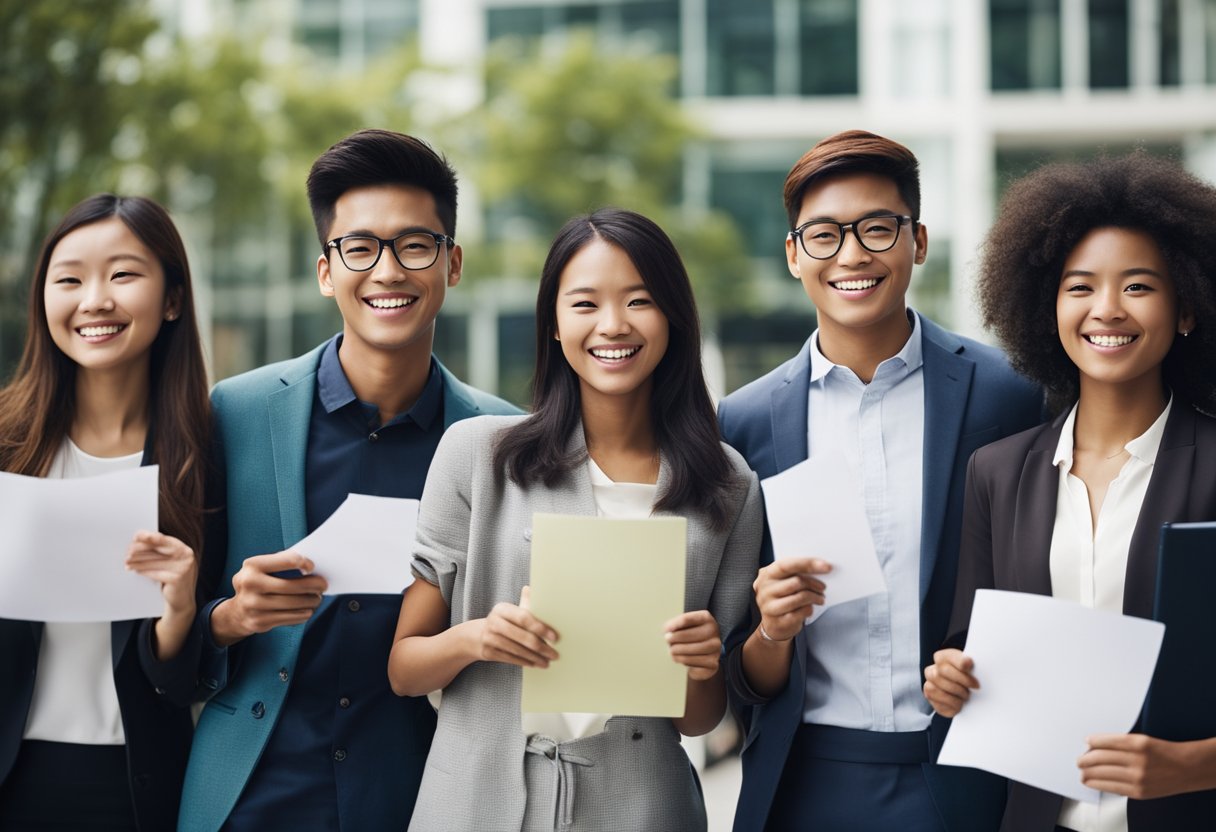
1097, 279
620, 400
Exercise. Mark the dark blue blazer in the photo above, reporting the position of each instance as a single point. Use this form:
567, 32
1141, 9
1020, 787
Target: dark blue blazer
972, 397
152, 695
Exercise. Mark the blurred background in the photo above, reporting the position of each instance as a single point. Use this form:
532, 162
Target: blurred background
691, 111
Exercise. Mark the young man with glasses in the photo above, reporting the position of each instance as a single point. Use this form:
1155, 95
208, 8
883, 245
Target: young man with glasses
304, 731
839, 735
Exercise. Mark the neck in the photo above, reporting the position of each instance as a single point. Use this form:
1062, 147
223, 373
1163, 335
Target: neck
1110, 416
618, 425
863, 349
111, 414
391, 380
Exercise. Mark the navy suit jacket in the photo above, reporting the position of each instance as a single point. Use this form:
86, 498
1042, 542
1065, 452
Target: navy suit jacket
1012, 488
263, 422
152, 695
972, 397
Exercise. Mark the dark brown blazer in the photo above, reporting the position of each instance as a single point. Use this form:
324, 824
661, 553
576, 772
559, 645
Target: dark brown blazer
1008, 517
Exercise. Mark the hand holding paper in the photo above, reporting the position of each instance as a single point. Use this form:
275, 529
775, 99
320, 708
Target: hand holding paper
51, 570
1052, 673
364, 546
815, 510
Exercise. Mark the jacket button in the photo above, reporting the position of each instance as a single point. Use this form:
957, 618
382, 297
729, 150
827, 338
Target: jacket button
340, 754
528, 534
344, 702
258, 710
637, 735
372, 437
352, 605
211, 684
283, 674
160, 691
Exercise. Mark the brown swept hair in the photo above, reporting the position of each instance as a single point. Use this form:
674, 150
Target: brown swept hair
38, 404
854, 151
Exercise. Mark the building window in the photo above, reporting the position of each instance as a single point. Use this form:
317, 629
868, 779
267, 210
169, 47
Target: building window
741, 47
751, 196
1109, 64
1025, 38
829, 47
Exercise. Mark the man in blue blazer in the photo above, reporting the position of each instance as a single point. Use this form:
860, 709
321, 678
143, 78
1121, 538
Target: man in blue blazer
839, 735
304, 731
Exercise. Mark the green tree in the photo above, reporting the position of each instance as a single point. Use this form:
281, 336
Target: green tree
565, 131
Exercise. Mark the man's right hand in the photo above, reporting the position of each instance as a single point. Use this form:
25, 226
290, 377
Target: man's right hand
787, 593
263, 601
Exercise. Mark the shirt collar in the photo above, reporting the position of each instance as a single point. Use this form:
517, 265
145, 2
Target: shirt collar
335, 392
911, 355
1144, 447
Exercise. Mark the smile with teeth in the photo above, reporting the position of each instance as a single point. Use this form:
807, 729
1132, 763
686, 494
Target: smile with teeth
389, 303
855, 285
94, 331
614, 354
1110, 340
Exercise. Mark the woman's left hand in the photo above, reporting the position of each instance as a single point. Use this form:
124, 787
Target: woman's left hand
695, 642
170, 563
1143, 767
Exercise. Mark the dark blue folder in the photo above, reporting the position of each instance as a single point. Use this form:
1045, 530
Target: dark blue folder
1181, 703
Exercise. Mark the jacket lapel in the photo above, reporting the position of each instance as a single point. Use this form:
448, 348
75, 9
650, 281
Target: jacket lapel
1035, 511
289, 410
790, 414
948, 377
457, 403
1165, 501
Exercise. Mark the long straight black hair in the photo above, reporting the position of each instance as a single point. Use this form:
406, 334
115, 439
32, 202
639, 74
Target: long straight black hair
680, 408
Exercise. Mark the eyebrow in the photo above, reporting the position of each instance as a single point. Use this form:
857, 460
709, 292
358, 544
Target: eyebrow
587, 290
111, 259
1132, 272
877, 212
412, 229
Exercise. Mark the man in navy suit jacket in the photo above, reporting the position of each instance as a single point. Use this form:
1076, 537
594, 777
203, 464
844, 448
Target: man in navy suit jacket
304, 731
839, 735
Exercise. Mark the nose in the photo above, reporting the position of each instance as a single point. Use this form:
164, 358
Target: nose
97, 297
614, 322
1108, 304
852, 252
387, 269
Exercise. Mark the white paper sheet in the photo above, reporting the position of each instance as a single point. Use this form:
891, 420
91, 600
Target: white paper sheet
1051, 673
364, 546
815, 510
64, 543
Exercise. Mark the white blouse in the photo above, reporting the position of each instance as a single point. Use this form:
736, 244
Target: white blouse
1089, 565
74, 695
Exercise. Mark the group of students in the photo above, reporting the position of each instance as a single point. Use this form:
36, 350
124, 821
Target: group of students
1096, 278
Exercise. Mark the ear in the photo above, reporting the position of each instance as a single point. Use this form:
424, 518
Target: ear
173, 304
324, 278
791, 257
455, 265
922, 244
1186, 322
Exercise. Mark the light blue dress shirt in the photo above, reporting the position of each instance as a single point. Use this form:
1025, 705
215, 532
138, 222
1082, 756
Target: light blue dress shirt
863, 657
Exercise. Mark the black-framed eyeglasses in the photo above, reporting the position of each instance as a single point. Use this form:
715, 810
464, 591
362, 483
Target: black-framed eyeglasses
414, 250
822, 239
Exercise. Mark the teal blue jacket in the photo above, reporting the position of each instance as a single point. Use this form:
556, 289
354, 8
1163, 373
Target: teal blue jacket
262, 422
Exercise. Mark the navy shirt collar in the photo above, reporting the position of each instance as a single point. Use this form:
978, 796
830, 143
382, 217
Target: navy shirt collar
335, 392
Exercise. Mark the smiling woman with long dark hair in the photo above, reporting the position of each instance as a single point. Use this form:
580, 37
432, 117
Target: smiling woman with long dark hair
94, 731
622, 426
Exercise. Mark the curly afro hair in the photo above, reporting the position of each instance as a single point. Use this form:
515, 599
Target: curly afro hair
1042, 218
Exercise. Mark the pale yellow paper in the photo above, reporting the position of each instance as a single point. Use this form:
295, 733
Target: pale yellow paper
607, 586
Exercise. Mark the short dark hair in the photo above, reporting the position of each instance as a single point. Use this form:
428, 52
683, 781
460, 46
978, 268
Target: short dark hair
1045, 215
681, 411
854, 151
380, 157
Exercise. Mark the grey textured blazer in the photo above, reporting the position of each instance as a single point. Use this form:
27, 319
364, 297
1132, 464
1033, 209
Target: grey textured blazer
473, 542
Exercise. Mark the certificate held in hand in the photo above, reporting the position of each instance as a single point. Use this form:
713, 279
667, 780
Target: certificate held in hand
607, 586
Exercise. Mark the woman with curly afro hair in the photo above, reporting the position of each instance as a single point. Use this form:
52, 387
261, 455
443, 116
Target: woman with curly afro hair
1098, 279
